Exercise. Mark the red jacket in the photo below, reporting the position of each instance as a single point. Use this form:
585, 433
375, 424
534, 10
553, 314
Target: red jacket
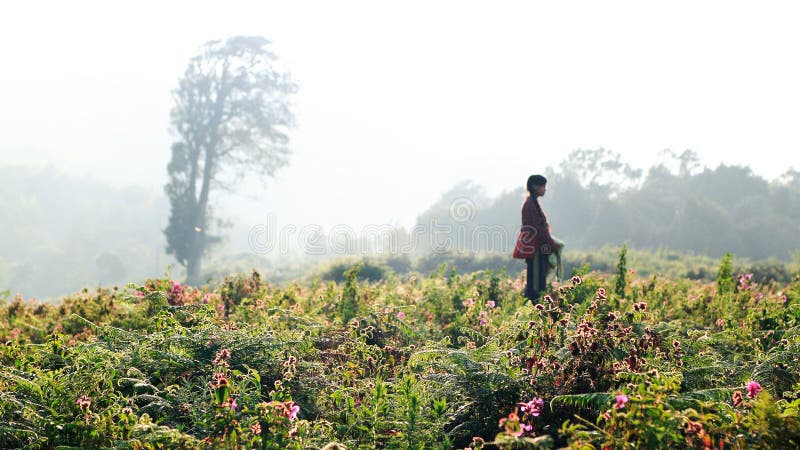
534, 234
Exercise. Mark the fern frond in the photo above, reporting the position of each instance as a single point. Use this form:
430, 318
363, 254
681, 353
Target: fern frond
595, 401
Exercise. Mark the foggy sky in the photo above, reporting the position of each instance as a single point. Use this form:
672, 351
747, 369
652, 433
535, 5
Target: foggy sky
397, 102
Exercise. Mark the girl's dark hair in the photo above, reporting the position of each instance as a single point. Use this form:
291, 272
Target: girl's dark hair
534, 181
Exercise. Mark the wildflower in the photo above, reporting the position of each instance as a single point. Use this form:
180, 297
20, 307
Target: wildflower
127, 410
293, 411
175, 294
737, 398
468, 302
743, 279
185, 408
533, 407
511, 424
621, 401
490, 304
482, 322
675, 343
256, 428
548, 298
232, 403
601, 294
401, 315
84, 401
220, 380
222, 357
576, 280
139, 294
693, 427
753, 388
612, 316
539, 306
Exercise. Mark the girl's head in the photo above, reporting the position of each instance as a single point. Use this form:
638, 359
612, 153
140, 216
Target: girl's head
536, 185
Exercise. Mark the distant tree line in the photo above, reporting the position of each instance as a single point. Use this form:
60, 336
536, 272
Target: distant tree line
594, 199
61, 233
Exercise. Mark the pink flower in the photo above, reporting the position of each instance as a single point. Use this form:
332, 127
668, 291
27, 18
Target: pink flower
293, 411
490, 304
753, 388
621, 401
533, 407
84, 401
743, 279
256, 428
222, 357
139, 294
401, 315
468, 302
576, 280
482, 322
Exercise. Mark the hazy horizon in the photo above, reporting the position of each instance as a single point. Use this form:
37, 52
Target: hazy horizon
398, 103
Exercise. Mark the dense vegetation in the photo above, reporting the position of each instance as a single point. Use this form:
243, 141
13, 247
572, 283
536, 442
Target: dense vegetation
446, 360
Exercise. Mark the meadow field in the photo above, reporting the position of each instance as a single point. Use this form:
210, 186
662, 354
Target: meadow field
437, 361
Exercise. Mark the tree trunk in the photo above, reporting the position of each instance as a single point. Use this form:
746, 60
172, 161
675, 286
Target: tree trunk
193, 267
194, 262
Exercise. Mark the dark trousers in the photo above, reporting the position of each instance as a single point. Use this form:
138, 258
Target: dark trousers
536, 280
